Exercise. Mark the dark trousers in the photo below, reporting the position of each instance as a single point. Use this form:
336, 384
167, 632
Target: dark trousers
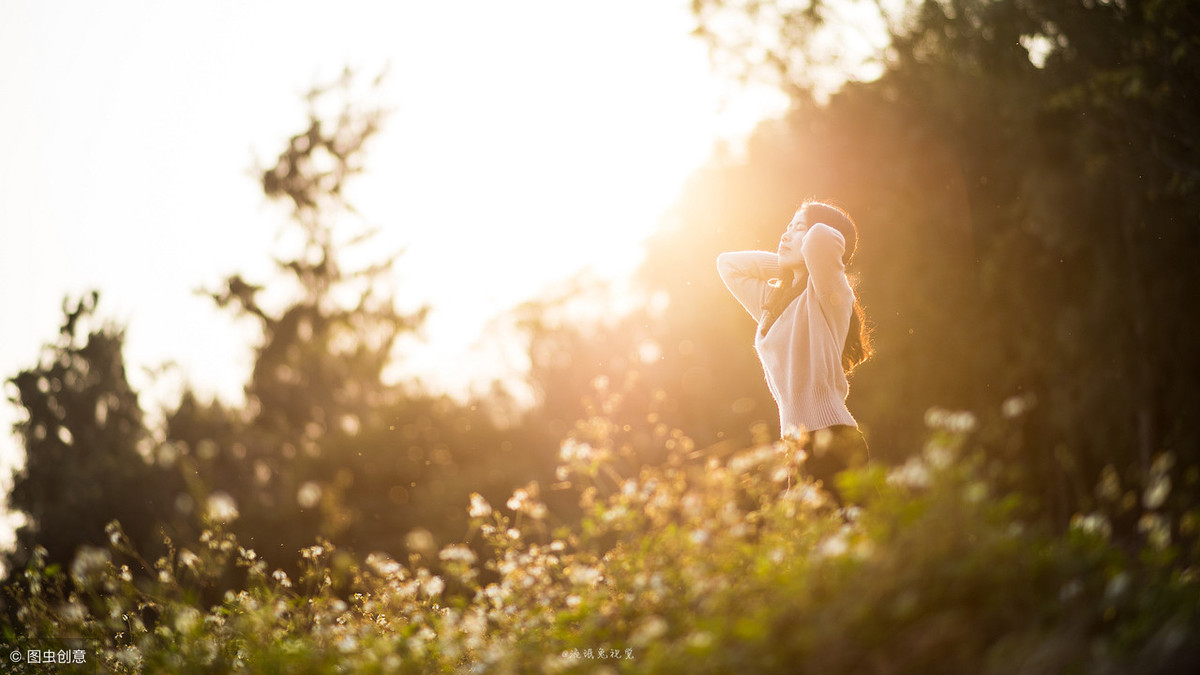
833, 450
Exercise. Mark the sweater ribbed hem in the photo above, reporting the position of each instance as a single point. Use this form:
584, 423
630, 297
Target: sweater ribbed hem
812, 413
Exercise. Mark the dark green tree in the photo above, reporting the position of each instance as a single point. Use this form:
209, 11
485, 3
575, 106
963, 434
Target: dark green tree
89, 458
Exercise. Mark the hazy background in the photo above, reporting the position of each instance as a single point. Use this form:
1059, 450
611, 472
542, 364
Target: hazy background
528, 140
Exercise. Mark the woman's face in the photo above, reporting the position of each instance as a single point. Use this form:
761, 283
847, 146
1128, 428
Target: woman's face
790, 256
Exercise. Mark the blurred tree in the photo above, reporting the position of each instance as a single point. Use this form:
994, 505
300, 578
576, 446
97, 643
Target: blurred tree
326, 446
318, 368
88, 457
322, 358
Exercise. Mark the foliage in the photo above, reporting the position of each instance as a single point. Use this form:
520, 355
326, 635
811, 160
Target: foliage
736, 564
1024, 177
88, 454
321, 359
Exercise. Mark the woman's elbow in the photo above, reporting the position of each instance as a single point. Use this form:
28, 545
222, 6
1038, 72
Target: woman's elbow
724, 264
822, 243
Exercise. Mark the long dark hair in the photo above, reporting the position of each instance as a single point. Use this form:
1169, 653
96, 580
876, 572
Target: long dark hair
858, 339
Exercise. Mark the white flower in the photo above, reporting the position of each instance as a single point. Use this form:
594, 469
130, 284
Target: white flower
309, 495
939, 457
474, 622
692, 505
615, 513
1093, 523
961, 422
629, 488
188, 559
583, 575
89, 564
457, 553
650, 629
1017, 405
384, 566
419, 539
187, 619
495, 593
73, 612
936, 417
222, 508
113, 530
700, 640
433, 586
517, 500
833, 547
1156, 492
913, 474
743, 462
479, 507
796, 434
130, 656
572, 449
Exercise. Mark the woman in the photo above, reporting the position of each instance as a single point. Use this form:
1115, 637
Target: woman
811, 332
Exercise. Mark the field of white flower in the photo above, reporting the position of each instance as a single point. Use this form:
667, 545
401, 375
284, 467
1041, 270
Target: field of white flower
717, 565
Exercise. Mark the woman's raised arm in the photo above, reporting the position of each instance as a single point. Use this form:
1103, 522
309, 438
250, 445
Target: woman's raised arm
746, 273
822, 249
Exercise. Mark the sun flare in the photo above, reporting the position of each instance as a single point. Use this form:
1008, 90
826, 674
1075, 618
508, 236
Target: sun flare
525, 142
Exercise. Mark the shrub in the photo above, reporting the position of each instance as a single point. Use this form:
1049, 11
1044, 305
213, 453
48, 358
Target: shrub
739, 564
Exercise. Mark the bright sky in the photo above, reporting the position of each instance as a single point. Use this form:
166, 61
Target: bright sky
128, 130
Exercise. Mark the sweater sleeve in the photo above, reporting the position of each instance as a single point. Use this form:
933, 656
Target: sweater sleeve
745, 274
822, 250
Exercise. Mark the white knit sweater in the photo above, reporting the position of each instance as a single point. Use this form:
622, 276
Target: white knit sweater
802, 352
